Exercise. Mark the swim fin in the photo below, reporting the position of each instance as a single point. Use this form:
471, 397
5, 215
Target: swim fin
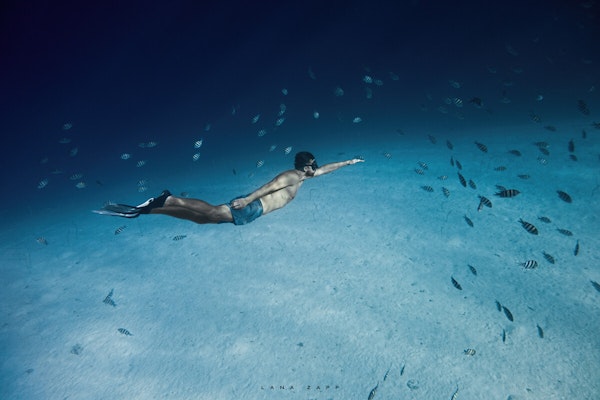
119, 210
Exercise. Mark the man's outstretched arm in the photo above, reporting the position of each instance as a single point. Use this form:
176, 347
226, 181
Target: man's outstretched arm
327, 168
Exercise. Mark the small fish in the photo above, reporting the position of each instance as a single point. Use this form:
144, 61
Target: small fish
508, 314
120, 229
484, 201
455, 283
468, 221
596, 285
540, 332
432, 139
357, 120
573, 157
262, 132
124, 331
565, 232
443, 177
503, 336
287, 150
255, 118
481, 147
419, 171
462, 179
498, 305
196, 157
260, 163
455, 394
576, 251
81, 185
140, 163
402, 370
198, 143
179, 237
469, 352
500, 168
473, 270
571, 146
67, 126
550, 128
423, 164
449, 144
529, 227
524, 176
387, 155
427, 188
125, 156
542, 160
108, 299
279, 121
548, 257
545, 219
446, 192
515, 153
507, 193
564, 196
42, 240
76, 177
544, 151
583, 107
472, 184
372, 392
458, 165
43, 183
477, 102
529, 264
452, 161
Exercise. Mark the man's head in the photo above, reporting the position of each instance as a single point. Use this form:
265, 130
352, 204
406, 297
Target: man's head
305, 161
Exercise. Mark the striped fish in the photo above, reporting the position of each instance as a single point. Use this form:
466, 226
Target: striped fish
564, 196
576, 251
446, 192
468, 221
507, 193
484, 201
124, 331
545, 219
473, 270
565, 232
481, 147
469, 352
427, 188
596, 285
458, 164
548, 257
529, 264
462, 179
108, 299
529, 227
455, 283
179, 237
472, 184
120, 229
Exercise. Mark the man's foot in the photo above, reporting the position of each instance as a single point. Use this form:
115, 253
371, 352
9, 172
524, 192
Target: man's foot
153, 202
125, 211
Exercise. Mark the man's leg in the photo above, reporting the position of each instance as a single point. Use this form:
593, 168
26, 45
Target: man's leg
194, 210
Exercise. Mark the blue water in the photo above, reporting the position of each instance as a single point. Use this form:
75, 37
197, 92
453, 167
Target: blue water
350, 282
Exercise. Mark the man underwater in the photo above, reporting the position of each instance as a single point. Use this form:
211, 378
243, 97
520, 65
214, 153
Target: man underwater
241, 210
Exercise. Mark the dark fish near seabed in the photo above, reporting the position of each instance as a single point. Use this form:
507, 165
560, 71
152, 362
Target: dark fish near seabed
551, 128
564, 196
455, 283
452, 161
571, 146
419, 171
42, 240
120, 229
529, 227
576, 251
446, 192
515, 153
548, 257
458, 164
508, 314
462, 179
469, 352
449, 144
596, 285
472, 184
372, 392
455, 394
468, 221
565, 232
545, 219
484, 201
503, 336
432, 139
427, 188
583, 107
507, 193
179, 237
108, 299
473, 270
573, 157
524, 176
481, 147
500, 168
423, 165
498, 305
540, 332
529, 264
124, 331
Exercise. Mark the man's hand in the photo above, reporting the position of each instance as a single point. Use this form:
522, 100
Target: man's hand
238, 204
